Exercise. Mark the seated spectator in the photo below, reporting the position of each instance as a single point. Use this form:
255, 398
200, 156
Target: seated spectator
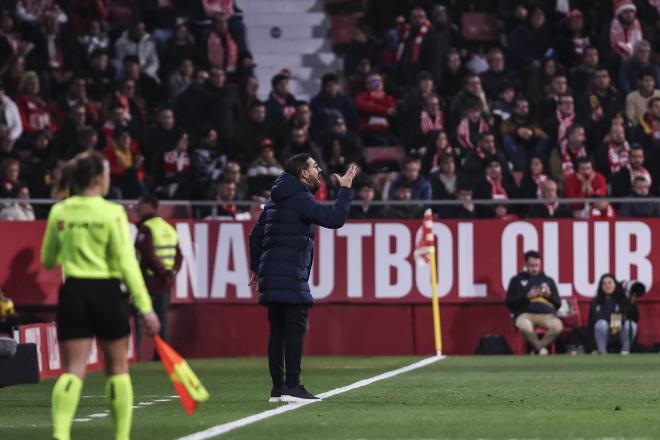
638, 101
94, 39
574, 38
253, 128
402, 191
471, 96
466, 209
418, 48
498, 75
208, 161
362, 208
300, 143
571, 149
614, 153
415, 101
478, 158
522, 138
556, 123
504, 213
7, 150
30, 12
551, 207
76, 96
533, 300
529, 41
11, 42
11, 78
116, 119
471, 128
162, 137
331, 103
280, 104
133, 105
445, 182
613, 316
420, 187
225, 198
494, 185
585, 183
100, 76
438, 145
67, 137
453, 75
502, 106
10, 169
539, 81
630, 70
173, 179
601, 209
145, 86
600, 103
264, 170
38, 157
302, 119
641, 187
222, 105
340, 147
426, 123
34, 111
179, 47
9, 115
535, 174
221, 50
647, 133
88, 140
622, 180
375, 108
625, 30
136, 41
232, 173
581, 75
20, 210
125, 161
249, 91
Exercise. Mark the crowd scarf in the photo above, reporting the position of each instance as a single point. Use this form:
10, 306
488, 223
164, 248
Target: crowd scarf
651, 126
564, 123
176, 162
287, 110
222, 51
225, 7
448, 149
567, 158
641, 172
618, 159
623, 40
497, 191
463, 131
610, 212
552, 207
427, 123
539, 180
417, 42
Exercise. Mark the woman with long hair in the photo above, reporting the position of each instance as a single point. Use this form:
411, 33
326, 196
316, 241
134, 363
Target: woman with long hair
613, 315
89, 237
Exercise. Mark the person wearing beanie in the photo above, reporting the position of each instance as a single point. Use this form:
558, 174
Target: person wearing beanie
625, 31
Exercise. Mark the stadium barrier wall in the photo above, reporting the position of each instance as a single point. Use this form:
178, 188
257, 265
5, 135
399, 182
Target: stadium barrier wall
372, 297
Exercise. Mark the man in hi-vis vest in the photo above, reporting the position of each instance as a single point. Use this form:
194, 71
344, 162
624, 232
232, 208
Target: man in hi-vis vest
160, 258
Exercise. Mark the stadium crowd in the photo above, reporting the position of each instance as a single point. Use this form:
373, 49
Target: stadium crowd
562, 100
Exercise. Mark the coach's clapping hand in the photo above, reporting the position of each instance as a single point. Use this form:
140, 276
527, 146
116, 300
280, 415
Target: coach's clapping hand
347, 179
151, 323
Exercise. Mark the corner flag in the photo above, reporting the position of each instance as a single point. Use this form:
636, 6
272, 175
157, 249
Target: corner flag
185, 382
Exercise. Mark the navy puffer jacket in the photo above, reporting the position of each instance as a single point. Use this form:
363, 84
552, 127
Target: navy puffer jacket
282, 240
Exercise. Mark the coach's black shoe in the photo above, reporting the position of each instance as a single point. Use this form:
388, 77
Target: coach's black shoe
297, 395
275, 395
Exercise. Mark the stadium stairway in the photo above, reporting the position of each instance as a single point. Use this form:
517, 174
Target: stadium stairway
292, 35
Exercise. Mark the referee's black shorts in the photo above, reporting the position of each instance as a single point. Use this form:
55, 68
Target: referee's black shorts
92, 307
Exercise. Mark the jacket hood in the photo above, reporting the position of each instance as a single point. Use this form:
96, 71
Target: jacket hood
286, 186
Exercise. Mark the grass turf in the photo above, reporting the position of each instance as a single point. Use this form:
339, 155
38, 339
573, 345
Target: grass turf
457, 398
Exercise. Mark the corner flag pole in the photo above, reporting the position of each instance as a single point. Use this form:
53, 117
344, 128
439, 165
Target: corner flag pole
437, 331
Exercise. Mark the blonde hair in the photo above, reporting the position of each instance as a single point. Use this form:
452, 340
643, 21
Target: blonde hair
28, 76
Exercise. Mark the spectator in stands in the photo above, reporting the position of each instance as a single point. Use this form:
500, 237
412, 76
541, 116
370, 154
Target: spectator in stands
37, 158
225, 198
625, 30
571, 149
437, 147
330, 103
10, 40
551, 207
599, 103
145, 86
340, 147
613, 315
647, 134
402, 191
471, 96
9, 115
574, 38
498, 75
173, 178
418, 48
136, 41
362, 207
419, 185
453, 75
522, 137
178, 48
614, 153
466, 209
126, 162
426, 123
180, 79
208, 160
623, 179
580, 75
478, 158
586, 182
94, 39
496, 184
375, 108
234, 15
190, 105
161, 137
232, 173
10, 169
11, 79
88, 140
66, 138
7, 150
637, 101
31, 11
280, 104
471, 128
264, 170
557, 120
535, 174
445, 181
300, 143
34, 111
222, 104
20, 210
100, 76
641, 61
302, 119
221, 50
248, 90
529, 41
447, 33
641, 187
253, 128
76, 96
415, 101
133, 105
601, 209
533, 299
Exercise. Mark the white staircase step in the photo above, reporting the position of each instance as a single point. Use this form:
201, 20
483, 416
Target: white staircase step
291, 61
280, 19
292, 46
281, 6
263, 32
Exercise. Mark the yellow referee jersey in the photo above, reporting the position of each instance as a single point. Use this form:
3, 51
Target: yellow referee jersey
89, 237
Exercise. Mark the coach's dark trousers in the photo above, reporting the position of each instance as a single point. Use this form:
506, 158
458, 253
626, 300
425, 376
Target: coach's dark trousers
288, 325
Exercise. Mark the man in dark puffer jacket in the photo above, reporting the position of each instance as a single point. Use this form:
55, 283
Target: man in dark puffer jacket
281, 253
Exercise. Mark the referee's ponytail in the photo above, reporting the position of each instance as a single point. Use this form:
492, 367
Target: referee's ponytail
79, 173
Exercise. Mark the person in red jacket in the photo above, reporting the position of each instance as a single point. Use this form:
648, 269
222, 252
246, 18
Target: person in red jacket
35, 114
585, 183
125, 159
375, 108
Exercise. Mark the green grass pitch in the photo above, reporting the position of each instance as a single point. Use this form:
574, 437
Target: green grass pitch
551, 397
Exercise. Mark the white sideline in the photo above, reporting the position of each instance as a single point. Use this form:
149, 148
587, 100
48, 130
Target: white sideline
224, 428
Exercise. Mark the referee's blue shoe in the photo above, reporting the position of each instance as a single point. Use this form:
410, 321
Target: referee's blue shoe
297, 394
275, 395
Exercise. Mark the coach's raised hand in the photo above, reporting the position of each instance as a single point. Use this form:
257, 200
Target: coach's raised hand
347, 179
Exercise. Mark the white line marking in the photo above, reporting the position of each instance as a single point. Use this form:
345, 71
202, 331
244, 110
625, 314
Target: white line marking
139, 405
98, 415
224, 428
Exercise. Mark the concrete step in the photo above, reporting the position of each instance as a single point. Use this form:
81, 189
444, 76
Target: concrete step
292, 61
290, 46
287, 6
263, 32
280, 19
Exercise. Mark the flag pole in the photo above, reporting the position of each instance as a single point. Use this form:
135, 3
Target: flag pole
437, 331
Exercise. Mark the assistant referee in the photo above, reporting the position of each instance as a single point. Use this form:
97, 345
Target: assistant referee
89, 237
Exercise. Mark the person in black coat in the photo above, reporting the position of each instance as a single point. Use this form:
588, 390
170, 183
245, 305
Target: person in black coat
641, 188
553, 208
331, 103
281, 253
363, 208
533, 299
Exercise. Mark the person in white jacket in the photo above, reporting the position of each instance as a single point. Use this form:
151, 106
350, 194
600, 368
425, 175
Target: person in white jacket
20, 210
136, 41
9, 115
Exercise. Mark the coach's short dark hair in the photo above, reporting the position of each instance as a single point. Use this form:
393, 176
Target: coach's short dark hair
296, 164
532, 254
